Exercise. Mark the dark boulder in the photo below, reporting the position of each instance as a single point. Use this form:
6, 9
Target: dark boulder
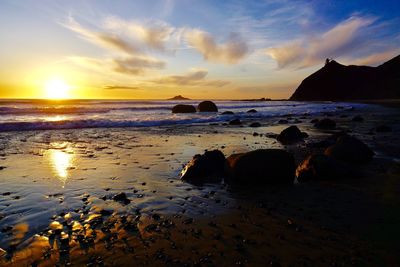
283, 121
314, 120
205, 168
227, 113
291, 135
255, 124
350, 149
235, 122
319, 167
262, 166
183, 109
207, 106
252, 111
326, 124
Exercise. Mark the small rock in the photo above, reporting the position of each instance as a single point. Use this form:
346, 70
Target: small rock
227, 113
121, 197
252, 111
291, 135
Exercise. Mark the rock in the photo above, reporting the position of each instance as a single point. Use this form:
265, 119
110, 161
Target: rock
255, 124
262, 166
314, 120
180, 108
227, 113
208, 167
121, 197
357, 118
252, 111
291, 135
383, 129
335, 81
207, 106
283, 121
325, 124
319, 167
350, 149
235, 122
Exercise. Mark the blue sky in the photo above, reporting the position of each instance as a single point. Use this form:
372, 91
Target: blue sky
201, 49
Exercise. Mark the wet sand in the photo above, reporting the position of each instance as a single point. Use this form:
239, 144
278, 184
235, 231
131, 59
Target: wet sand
57, 206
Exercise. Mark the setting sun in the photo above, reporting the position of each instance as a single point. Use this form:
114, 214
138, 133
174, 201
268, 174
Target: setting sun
56, 89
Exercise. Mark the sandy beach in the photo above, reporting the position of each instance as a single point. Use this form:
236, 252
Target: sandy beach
58, 204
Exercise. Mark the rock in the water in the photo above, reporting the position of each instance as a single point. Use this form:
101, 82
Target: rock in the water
227, 113
183, 109
121, 197
319, 167
252, 111
291, 135
207, 106
350, 149
255, 124
262, 166
325, 124
357, 118
205, 168
235, 122
283, 121
383, 129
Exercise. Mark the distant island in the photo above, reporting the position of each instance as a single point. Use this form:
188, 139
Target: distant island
336, 82
178, 97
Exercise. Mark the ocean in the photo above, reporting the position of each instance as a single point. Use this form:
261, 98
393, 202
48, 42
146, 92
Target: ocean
22, 115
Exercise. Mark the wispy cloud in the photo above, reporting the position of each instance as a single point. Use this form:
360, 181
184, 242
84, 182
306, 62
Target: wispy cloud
120, 87
136, 65
195, 77
100, 38
230, 52
312, 50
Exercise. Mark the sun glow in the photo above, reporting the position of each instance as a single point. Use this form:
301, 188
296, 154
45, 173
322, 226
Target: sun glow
57, 89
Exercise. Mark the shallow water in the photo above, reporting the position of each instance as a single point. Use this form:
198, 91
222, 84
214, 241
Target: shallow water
77, 114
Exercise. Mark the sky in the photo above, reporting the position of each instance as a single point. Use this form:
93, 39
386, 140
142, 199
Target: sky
201, 49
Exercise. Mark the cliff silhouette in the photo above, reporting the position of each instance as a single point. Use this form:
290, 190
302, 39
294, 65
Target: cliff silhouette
337, 82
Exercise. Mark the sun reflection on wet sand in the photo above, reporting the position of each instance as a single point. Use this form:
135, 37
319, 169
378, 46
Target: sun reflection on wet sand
61, 162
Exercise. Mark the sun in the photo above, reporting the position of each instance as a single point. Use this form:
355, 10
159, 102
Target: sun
56, 89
